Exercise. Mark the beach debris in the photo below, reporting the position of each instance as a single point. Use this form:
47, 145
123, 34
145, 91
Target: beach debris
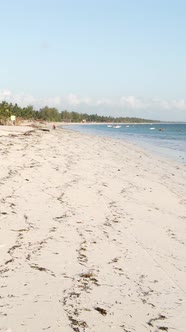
114, 260
101, 311
75, 323
27, 133
2, 271
20, 230
53, 229
46, 328
44, 129
36, 267
42, 269
74, 294
4, 213
10, 251
9, 261
87, 275
160, 317
82, 253
60, 198
124, 329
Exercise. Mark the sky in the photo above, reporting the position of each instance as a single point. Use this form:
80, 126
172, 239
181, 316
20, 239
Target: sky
110, 57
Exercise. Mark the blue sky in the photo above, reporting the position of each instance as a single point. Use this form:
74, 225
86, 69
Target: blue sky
115, 57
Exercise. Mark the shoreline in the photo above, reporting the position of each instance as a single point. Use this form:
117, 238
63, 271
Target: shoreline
92, 235
147, 145
99, 123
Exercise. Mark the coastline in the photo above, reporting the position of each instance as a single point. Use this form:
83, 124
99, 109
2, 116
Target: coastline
92, 235
163, 147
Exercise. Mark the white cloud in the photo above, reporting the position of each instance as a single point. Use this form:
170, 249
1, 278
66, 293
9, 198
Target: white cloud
122, 106
179, 104
104, 101
132, 102
21, 99
75, 100
4, 94
26, 99
52, 102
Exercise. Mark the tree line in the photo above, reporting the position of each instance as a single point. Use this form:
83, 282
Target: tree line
52, 114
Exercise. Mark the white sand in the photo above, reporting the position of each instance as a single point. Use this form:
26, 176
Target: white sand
89, 223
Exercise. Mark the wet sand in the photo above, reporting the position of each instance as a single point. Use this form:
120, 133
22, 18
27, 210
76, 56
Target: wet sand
92, 235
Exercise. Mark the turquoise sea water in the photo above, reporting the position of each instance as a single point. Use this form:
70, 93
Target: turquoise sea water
168, 140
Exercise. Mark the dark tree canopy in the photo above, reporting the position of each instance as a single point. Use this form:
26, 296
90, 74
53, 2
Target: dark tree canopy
53, 114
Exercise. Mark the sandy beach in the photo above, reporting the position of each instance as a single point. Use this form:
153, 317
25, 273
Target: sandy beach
92, 235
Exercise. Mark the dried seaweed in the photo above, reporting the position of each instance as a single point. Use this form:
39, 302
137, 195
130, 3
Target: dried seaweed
101, 311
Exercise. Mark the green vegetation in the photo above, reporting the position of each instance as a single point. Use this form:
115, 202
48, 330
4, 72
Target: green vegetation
52, 114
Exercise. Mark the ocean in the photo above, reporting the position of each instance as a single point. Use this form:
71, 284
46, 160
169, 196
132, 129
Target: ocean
165, 139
